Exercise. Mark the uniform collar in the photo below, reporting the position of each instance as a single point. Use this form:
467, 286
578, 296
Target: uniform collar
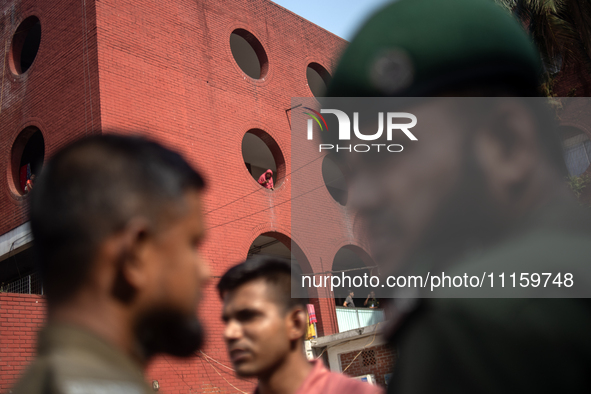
71, 337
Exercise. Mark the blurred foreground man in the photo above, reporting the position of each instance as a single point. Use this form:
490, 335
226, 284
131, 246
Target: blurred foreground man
265, 329
117, 222
482, 190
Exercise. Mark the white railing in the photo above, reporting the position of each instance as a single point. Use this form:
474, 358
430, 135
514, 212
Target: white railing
353, 318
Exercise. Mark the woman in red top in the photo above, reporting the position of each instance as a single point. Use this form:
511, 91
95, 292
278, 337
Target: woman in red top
266, 180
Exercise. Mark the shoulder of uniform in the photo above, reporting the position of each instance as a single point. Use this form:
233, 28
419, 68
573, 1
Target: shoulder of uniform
68, 371
37, 379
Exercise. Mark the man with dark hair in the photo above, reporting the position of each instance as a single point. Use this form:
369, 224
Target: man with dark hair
372, 302
117, 222
349, 303
266, 320
480, 191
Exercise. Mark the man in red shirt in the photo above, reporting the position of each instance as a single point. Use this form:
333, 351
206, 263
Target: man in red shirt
265, 328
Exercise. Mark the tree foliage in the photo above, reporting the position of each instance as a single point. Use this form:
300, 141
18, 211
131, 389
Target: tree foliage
560, 29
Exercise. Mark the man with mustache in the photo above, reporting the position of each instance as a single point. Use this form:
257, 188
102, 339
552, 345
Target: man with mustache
117, 223
265, 329
481, 190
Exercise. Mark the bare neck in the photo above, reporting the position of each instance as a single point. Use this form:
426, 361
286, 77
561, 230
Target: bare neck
288, 376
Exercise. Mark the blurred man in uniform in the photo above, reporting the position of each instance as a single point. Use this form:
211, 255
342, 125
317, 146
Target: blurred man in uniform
480, 191
265, 329
117, 223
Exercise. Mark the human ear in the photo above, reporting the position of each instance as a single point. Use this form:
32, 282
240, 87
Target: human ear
298, 323
131, 269
506, 147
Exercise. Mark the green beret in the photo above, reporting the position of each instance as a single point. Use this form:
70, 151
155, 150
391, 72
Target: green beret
421, 47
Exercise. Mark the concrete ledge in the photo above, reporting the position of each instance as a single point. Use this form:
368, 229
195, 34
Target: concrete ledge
335, 339
15, 241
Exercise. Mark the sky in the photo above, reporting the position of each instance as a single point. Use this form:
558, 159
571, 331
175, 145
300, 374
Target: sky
341, 17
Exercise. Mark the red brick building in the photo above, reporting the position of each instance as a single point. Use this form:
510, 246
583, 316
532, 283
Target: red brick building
377, 361
211, 79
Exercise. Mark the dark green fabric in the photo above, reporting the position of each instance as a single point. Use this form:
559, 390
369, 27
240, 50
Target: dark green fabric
447, 43
542, 345
496, 346
73, 360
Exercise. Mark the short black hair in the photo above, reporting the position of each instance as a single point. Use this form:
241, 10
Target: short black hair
282, 274
90, 190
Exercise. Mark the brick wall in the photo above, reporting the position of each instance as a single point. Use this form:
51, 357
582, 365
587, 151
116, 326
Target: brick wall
21, 316
165, 70
200, 374
186, 79
58, 94
377, 360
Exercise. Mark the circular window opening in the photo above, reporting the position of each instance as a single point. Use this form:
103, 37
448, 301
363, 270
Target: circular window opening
318, 79
25, 44
249, 53
263, 156
334, 179
28, 153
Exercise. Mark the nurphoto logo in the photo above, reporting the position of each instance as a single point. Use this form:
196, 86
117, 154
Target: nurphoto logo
392, 124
